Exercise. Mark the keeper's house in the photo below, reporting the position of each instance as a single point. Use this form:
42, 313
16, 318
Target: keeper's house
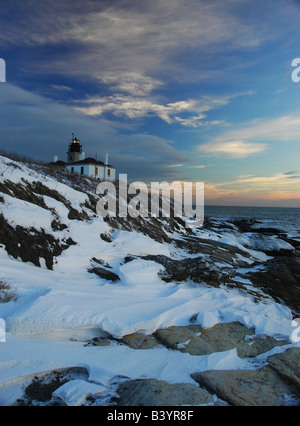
93, 168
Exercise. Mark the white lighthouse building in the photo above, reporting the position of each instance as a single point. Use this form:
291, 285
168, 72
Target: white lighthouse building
78, 164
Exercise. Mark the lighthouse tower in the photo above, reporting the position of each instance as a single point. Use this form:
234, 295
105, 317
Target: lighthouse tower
75, 150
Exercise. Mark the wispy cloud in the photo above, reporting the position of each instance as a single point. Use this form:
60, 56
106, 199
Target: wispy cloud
244, 141
136, 107
134, 83
61, 88
171, 166
234, 149
165, 23
45, 127
128, 44
256, 189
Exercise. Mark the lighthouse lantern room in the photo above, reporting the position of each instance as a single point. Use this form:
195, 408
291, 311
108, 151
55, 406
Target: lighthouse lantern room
75, 150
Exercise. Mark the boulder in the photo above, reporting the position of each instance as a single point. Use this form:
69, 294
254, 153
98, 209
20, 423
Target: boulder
287, 365
158, 393
140, 341
263, 387
104, 274
171, 337
223, 337
220, 338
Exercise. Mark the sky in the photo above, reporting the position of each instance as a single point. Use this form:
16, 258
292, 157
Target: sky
188, 90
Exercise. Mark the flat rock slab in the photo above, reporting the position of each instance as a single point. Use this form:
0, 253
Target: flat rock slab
140, 341
158, 393
287, 364
220, 338
263, 387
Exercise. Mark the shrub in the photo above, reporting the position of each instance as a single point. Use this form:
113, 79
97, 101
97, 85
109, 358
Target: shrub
6, 293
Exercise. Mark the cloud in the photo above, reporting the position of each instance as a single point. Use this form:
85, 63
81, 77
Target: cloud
127, 45
234, 149
133, 83
283, 128
61, 88
255, 137
171, 166
279, 180
137, 107
290, 173
166, 23
31, 125
271, 190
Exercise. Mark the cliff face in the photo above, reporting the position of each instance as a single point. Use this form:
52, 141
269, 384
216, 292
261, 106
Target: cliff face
124, 287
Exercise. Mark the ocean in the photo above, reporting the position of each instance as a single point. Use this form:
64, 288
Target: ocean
287, 219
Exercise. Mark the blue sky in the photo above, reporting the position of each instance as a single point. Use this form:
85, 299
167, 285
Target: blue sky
191, 90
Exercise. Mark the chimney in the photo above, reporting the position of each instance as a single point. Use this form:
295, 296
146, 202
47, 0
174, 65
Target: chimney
82, 156
55, 159
106, 160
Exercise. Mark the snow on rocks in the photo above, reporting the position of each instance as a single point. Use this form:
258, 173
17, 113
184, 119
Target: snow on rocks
76, 392
69, 302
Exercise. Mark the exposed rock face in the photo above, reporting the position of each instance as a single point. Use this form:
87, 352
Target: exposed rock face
140, 341
104, 273
42, 387
30, 244
262, 387
195, 269
157, 393
281, 280
287, 364
217, 251
220, 338
208, 259
239, 262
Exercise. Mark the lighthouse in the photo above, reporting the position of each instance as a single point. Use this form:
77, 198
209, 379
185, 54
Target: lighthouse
75, 150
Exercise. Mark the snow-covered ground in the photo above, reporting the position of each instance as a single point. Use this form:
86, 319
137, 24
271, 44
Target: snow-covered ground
56, 311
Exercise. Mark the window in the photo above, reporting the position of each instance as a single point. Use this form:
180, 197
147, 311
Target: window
108, 172
82, 170
72, 170
96, 171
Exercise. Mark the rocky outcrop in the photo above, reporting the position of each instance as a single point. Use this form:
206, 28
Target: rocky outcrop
216, 251
220, 338
262, 387
197, 341
280, 278
195, 269
140, 341
287, 365
40, 390
31, 245
157, 393
104, 274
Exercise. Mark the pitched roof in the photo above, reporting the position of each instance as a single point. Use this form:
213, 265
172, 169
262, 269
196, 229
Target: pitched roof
89, 161
58, 163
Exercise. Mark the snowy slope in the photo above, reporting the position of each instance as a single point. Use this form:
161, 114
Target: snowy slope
67, 301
